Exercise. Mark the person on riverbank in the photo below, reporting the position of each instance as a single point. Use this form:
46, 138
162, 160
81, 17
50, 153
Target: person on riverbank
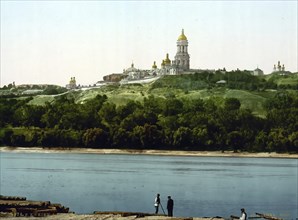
170, 206
157, 203
243, 214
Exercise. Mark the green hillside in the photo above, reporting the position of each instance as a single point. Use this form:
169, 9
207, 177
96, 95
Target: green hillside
120, 95
173, 112
182, 86
291, 79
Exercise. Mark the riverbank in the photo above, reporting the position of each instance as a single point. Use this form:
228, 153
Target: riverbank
148, 152
105, 217
17, 207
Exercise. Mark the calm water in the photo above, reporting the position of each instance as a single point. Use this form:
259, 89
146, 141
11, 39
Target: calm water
200, 186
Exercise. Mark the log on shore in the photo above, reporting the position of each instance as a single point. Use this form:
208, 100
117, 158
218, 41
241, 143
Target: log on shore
268, 216
60, 208
45, 212
22, 203
17, 198
19, 206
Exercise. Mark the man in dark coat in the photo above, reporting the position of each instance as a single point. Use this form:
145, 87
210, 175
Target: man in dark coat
170, 206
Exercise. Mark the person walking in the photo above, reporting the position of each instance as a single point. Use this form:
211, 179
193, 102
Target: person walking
170, 206
157, 202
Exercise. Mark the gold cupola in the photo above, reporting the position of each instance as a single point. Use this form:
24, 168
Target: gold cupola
182, 36
167, 60
154, 65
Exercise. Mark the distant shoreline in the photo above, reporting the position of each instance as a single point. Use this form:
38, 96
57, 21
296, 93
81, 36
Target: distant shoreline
148, 152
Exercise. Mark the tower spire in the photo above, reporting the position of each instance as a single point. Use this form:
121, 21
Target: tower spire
182, 56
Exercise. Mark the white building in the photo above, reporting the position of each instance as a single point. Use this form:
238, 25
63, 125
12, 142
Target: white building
179, 65
258, 72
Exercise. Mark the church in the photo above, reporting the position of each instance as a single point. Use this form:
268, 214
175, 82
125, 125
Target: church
181, 62
179, 65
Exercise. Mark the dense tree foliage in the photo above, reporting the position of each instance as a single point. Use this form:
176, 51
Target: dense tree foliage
155, 123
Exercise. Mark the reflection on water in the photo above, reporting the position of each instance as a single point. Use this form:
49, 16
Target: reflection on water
200, 186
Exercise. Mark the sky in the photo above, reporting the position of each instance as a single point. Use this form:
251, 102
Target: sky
48, 42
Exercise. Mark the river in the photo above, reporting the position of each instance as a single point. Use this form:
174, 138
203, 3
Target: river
199, 186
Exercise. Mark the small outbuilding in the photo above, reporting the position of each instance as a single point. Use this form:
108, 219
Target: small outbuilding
258, 72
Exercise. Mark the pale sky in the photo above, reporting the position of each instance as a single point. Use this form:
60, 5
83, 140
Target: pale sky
51, 41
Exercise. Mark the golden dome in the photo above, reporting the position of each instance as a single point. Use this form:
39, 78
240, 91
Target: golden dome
182, 36
167, 60
154, 65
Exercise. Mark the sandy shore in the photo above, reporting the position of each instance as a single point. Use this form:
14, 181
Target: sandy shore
147, 152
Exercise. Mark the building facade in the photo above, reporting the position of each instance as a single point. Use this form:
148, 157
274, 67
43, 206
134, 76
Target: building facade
72, 83
182, 57
180, 64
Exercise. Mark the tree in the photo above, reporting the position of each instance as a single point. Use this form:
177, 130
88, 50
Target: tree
29, 115
260, 144
281, 100
147, 136
182, 137
108, 113
120, 138
232, 104
89, 112
70, 138
173, 106
18, 140
6, 139
278, 140
193, 105
293, 139
127, 109
49, 138
199, 138
95, 137
153, 104
235, 140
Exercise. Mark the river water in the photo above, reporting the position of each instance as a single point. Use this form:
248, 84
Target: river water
200, 186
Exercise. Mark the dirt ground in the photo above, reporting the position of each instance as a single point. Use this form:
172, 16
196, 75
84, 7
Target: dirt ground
103, 217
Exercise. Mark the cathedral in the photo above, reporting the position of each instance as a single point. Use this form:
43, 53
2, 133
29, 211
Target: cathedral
177, 66
181, 62
180, 65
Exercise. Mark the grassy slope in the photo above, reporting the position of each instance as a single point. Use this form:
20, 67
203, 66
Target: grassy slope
42, 99
283, 80
174, 86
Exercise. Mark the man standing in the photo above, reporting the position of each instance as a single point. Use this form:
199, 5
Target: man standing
243, 215
156, 203
170, 206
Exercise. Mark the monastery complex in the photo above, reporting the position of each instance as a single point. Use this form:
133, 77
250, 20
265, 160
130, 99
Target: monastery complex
179, 65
